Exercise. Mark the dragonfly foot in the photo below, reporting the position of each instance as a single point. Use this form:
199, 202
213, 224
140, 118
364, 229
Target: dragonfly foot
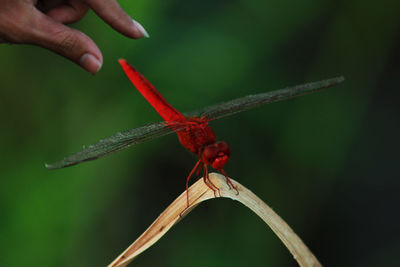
231, 185
208, 182
212, 187
229, 182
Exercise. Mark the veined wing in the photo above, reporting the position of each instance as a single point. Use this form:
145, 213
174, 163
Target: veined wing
148, 132
251, 101
116, 143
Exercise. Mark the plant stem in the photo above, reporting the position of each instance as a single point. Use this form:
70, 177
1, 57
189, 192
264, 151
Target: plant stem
198, 193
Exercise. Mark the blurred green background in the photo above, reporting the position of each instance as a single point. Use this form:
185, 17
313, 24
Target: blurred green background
327, 163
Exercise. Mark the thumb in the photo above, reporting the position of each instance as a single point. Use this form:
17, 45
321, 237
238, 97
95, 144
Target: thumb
67, 42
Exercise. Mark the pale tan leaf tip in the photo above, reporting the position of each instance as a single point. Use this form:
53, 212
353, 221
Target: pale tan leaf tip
198, 193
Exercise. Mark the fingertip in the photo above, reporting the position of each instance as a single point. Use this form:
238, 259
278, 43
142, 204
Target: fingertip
112, 13
68, 42
140, 30
90, 63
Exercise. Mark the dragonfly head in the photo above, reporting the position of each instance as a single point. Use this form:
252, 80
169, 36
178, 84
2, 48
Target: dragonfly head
216, 155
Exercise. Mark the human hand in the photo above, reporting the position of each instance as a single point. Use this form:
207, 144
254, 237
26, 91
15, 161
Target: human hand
42, 23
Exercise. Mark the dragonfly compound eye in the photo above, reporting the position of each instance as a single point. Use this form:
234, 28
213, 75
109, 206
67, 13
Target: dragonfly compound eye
224, 148
210, 153
216, 155
220, 161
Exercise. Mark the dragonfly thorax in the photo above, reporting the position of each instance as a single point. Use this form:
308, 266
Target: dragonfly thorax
196, 135
216, 155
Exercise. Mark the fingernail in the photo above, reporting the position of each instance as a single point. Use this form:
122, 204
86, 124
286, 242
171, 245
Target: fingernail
140, 29
90, 63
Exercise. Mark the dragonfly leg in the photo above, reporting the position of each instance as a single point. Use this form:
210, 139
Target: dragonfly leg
208, 182
187, 181
229, 182
198, 171
205, 179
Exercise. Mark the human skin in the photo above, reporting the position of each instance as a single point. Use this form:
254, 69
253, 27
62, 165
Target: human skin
44, 23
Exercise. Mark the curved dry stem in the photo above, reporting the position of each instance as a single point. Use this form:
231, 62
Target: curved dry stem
198, 193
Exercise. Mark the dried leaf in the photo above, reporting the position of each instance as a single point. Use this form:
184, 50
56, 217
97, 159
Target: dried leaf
198, 193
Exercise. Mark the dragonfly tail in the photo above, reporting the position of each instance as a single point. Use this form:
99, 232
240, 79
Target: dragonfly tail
166, 111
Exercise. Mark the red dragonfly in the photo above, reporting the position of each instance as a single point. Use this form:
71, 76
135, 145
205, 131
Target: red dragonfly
196, 136
193, 130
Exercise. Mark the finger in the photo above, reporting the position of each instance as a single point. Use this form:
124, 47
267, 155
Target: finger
111, 12
67, 42
68, 13
46, 5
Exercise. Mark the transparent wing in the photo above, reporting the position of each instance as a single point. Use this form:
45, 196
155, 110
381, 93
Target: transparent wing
116, 143
251, 101
139, 135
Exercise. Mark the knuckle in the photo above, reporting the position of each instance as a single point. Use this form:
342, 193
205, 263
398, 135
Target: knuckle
114, 21
113, 13
67, 41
